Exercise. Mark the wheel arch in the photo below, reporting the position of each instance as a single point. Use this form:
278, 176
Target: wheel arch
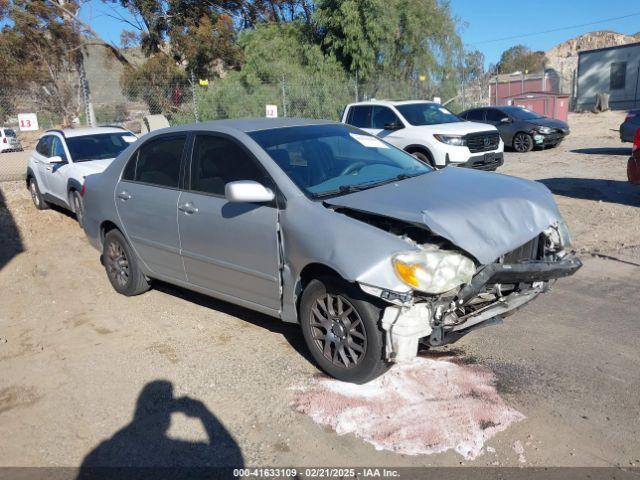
30, 174
105, 227
314, 271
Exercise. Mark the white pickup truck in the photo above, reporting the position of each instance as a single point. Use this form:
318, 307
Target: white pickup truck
430, 132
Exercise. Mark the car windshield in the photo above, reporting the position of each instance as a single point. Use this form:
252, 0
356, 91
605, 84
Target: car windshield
521, 113
426, 114
98, 147
9, 133
326, 160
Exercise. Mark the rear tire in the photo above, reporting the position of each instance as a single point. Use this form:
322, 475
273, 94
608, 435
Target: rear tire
39, 202
341, 328
122, 266
78, 206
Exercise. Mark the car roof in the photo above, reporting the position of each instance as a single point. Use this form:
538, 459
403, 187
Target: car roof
84, 131
392, 103
247, 125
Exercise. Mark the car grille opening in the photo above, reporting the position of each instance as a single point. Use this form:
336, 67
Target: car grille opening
529, 251
482, 142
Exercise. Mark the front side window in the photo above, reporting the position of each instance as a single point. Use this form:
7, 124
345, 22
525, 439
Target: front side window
383, 116
218, 161
360, 117
426, 114
57, 149
157, 162
98, 147
325, 160
618, 75
44, 146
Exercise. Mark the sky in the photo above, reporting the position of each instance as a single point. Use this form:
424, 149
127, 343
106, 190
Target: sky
484, 21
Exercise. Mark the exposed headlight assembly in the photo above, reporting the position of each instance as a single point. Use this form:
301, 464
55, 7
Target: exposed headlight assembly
455, 140
433, 271
544, 130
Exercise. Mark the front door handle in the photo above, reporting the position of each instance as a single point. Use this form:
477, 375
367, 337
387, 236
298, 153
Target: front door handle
124, 195
188, 208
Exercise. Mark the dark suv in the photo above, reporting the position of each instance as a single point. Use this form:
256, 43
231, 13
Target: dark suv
520, 128
630, 126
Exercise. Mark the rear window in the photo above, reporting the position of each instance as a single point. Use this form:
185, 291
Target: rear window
9, 133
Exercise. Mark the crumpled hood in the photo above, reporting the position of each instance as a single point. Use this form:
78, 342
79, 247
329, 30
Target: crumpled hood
92, 166
485, 214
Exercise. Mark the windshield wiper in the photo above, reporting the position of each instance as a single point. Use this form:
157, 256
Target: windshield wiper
344, 189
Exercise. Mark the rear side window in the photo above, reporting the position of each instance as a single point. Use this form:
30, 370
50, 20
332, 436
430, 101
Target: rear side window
474, 115
157, 162
494, 115
360, 117
218, 161
383, 116
44, 146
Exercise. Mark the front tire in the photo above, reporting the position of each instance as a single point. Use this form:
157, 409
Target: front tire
39, 202
122, 265
424, 158
342, 331
523, 142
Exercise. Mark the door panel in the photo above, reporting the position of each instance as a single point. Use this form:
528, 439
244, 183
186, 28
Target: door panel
147, 204
41, 157
229, 248
58, 174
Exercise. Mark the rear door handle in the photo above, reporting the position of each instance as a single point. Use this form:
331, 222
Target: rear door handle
124, 195
188, 208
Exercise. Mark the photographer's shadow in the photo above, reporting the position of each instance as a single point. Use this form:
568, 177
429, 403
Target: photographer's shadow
144, 441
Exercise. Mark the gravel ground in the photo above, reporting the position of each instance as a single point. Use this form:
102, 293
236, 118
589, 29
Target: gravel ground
91, 376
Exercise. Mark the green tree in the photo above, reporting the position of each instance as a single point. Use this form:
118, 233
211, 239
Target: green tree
520, 58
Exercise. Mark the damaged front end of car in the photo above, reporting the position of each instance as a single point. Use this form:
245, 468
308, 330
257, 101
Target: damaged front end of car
452, 294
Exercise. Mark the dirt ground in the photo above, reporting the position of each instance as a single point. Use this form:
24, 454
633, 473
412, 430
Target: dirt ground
181, 376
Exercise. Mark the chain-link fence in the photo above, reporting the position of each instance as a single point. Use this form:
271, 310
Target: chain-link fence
107, 102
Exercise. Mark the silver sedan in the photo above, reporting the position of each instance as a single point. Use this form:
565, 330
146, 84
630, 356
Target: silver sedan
369, 249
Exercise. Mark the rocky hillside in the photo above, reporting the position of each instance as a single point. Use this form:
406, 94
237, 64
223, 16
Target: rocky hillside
564, 57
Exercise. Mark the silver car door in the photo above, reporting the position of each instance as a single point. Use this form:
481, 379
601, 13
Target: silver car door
229, 249
146, 199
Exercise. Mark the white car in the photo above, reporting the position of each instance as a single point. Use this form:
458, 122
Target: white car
430, 132
9, 141
63, 158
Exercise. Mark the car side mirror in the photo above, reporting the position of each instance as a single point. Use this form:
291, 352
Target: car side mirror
247, 191
505, 120
57, 160
393, 126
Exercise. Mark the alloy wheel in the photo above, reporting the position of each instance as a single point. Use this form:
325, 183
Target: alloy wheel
522, 143
338, 330
33, 189
77, 207
117, 264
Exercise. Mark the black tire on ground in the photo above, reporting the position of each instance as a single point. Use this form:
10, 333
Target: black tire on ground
424, 158
522, 142
341, 328
77, 205
36, 196
122, 266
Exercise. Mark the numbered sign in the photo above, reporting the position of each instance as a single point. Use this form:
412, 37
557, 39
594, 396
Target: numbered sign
27, 122
272, 111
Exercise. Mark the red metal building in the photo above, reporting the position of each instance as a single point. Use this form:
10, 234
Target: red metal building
553, 105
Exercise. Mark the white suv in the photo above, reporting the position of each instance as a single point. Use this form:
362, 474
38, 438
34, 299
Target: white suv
430, 132
9, 141
63, 158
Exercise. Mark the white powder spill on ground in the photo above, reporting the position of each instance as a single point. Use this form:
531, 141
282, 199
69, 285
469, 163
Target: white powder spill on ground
423, 407
519, 449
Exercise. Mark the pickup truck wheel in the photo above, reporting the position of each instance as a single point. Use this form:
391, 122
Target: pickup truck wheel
122, 266
78, 208
36, 196
522, 142
341, 329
